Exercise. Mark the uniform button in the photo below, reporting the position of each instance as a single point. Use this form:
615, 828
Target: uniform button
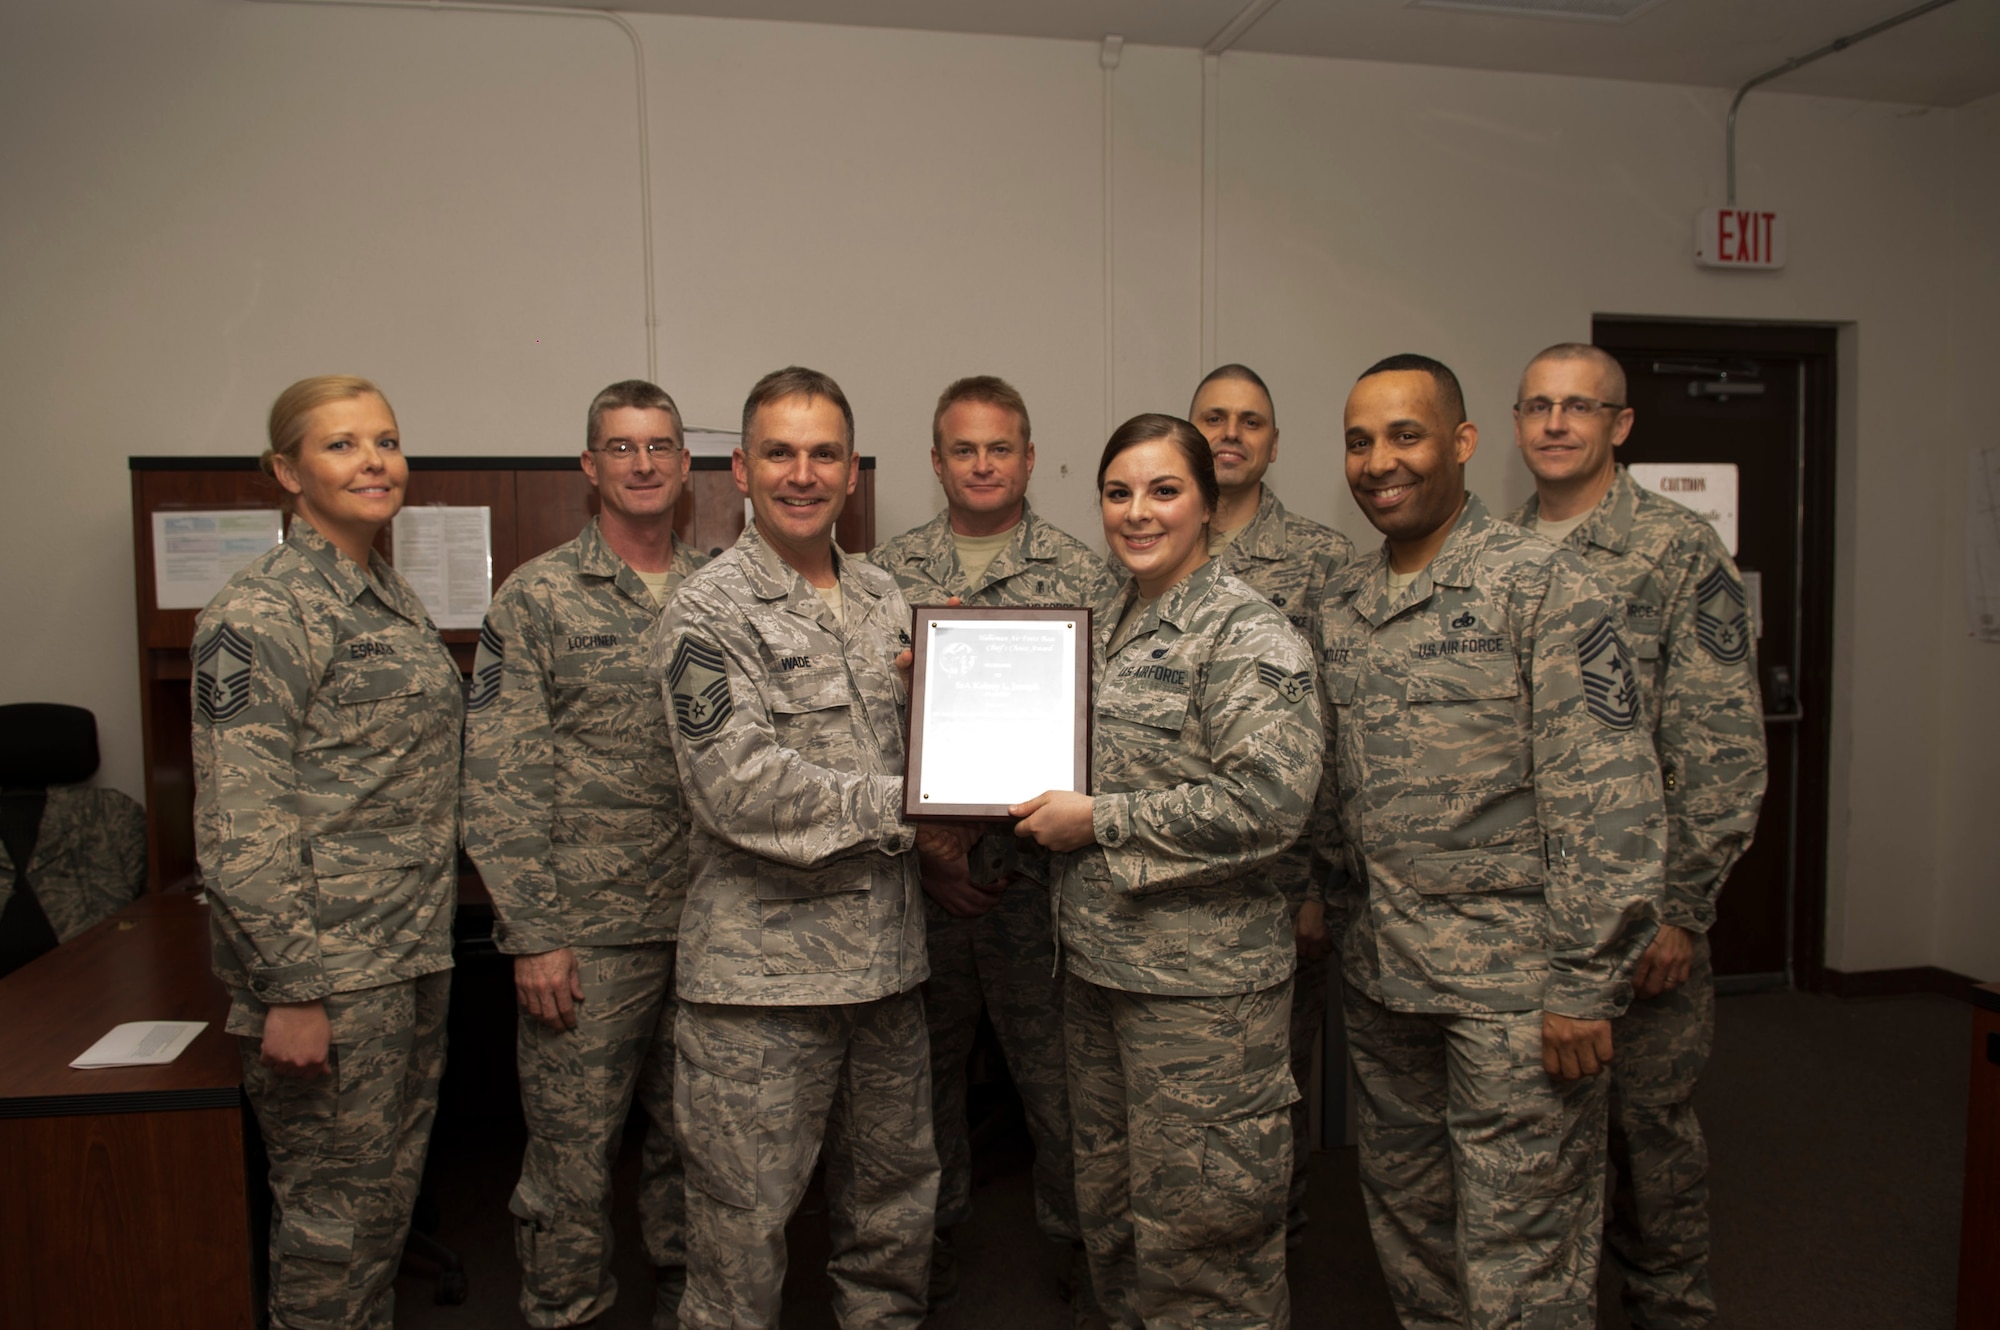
1111, 836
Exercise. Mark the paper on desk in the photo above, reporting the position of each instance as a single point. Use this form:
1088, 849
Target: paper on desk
141, 1044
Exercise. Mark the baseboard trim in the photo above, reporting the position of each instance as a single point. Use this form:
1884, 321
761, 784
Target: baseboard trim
1895, 983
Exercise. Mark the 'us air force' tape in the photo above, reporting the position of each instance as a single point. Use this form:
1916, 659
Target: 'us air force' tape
1609, 688
700, 689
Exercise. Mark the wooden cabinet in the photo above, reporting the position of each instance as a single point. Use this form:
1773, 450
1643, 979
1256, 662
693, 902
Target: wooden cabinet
537, 503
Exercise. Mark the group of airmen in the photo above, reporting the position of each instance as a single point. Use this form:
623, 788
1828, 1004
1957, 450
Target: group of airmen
1534, 751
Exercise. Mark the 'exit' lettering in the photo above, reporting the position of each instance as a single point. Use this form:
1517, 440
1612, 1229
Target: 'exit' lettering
1739, 238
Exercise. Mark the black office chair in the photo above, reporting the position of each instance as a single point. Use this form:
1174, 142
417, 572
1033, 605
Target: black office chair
70, 855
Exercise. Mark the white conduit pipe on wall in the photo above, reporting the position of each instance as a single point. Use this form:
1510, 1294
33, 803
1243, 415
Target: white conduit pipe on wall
1108, 56
645, 147
1211, 167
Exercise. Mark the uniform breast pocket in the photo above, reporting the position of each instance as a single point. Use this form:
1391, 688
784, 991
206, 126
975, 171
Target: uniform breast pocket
812, 712
1137, 730
382, 703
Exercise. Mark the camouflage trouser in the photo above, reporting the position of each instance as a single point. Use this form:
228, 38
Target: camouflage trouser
1183, 1153
1005, 961
576, 1090
759, 1089
1483, 1176
1657, 1231
1309, 987
347, 1154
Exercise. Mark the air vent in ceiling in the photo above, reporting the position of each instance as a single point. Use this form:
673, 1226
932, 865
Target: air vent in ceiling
1589, 11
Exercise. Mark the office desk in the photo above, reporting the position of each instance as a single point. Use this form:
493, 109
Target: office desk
124, 1201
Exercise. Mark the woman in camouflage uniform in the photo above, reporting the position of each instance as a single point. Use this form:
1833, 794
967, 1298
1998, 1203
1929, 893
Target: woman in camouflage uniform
1179, 945
327, 716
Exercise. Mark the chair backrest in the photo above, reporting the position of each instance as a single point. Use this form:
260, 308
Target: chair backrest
46, 743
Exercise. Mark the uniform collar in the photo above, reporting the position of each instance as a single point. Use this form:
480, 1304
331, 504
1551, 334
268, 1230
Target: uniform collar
934, 549
1176, 609
1264, 536
346, 577
1453, 566
596, 558
1606, 526
772, 579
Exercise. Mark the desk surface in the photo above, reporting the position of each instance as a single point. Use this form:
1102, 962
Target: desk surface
150, 961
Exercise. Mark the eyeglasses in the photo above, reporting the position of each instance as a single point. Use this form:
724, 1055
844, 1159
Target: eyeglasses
625, 450
1576, 408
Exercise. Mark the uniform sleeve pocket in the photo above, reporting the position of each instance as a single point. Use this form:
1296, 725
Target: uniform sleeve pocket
1477, 871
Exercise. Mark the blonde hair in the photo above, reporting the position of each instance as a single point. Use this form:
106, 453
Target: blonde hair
287, 428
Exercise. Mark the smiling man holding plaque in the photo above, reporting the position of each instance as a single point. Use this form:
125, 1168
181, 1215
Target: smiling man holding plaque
991, 945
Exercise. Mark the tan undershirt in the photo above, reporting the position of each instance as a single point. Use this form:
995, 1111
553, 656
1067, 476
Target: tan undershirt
1555, 532
657, 584
835, 598
1400, 582
1218, 541
977, 553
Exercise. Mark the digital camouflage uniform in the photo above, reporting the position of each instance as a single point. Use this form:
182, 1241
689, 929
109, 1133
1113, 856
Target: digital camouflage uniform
1499, 799
802, 941
326, 751
573, 813
1691, 642
1206, 746
89, 859
1004, 959
1287, 559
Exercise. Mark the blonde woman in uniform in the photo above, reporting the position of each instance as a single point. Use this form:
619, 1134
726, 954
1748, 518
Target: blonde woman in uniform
327, 717
1179, 948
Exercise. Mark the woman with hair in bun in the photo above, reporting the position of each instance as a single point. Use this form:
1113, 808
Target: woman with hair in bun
327, 715
1206, 755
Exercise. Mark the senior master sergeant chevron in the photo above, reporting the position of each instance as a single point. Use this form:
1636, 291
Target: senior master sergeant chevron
1690, 635
573, 813
1502, 807
991, 943
802, 942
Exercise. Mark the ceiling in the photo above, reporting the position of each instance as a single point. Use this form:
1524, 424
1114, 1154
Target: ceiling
1945, 58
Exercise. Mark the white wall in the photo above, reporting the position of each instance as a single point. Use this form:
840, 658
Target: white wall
208, 198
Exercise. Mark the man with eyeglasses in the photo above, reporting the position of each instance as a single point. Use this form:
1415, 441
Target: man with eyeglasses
1691, 642
574, 815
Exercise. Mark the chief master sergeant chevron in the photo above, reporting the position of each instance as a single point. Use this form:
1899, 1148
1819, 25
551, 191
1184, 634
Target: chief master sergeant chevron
1500, 804
1691, 639
573, 813
802, 942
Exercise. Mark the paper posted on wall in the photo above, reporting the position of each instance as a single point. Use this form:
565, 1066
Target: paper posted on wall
446, 555
1982, 546
196, 553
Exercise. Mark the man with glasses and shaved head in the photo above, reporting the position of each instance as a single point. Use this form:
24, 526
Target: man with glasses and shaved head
573, 813
1691, 642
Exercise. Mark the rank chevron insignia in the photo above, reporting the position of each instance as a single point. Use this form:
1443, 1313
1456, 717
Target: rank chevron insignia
1609, 689
700, 689
1720, 623
486, 667
222, 675
1292, 687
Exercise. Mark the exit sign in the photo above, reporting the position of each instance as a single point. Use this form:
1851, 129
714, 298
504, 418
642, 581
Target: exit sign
1739, 238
